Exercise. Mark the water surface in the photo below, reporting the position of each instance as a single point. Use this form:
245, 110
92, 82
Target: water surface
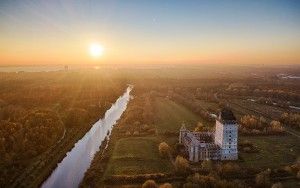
70, 171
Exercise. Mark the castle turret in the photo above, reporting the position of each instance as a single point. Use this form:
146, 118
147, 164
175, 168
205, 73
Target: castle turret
182, 132
226, 135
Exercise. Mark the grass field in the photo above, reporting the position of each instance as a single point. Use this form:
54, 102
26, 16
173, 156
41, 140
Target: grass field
291, 183
137, 155
171, 115
208, 105
275, 151
242, 107
272, 111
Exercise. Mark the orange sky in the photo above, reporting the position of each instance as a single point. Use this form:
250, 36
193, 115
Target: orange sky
52, 32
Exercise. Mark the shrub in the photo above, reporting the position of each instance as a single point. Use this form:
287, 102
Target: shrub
181, 165
127, 133
263, 178
199, 127
164, 149
145, 127
207, 165
247, 149
149, 184
229, 169
276, 127
288, 169
190, 185
152, 131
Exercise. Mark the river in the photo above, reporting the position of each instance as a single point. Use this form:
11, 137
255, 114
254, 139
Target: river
70, 171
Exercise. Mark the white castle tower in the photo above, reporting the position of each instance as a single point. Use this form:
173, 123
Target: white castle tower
226, 135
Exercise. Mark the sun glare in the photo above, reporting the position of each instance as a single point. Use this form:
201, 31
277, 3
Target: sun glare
96, 50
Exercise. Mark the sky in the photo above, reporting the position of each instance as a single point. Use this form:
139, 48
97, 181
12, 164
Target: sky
152, 31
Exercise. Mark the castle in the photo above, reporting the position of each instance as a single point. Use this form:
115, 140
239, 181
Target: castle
218, 145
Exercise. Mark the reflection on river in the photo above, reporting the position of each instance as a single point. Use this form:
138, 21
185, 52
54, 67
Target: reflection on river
70, 172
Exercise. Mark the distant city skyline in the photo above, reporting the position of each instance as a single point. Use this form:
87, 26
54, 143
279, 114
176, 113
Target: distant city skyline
153, 31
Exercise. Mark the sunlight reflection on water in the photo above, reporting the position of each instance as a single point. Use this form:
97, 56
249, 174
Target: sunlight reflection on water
70, 171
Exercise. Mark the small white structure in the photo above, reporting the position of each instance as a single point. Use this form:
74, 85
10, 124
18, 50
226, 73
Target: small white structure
218, 145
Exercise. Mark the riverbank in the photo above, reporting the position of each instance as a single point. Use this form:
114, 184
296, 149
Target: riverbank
36, 109
34, 175
71, 169
133, 147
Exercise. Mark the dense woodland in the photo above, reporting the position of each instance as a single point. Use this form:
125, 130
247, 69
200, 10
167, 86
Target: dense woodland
39, 110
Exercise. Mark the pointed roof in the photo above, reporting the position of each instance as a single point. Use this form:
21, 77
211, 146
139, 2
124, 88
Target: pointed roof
227, 115
183, 126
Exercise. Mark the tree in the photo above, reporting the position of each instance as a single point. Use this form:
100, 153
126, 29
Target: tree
276, 126
229, 169
41, 128
284, 117
199, 127
291, 119
249, 121
164, 149
277, 185
145, 127
181, 164
76, 117
298, 175
207, 164
149, 184
263, 178
262, 120
166, 185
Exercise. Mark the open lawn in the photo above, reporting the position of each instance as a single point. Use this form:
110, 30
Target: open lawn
291, 183
208, 105
274, 151
171, 115
242, 107
269, 111
137, 155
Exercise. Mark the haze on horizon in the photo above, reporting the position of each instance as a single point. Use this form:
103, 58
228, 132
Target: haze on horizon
140, 31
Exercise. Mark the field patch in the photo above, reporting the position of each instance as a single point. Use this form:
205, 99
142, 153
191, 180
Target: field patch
171, 115
274, 151
137, 155
208, 105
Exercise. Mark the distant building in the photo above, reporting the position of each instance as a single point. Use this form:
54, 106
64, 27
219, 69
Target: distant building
218, 145
66, 67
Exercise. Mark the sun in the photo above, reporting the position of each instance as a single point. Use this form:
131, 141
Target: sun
96, 50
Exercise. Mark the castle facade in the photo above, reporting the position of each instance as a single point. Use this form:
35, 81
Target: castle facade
219, 145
